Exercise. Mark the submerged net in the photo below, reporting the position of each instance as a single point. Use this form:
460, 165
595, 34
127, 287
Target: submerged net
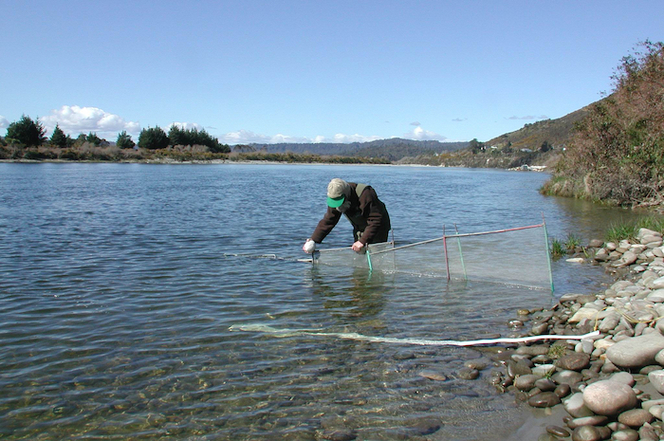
516, 256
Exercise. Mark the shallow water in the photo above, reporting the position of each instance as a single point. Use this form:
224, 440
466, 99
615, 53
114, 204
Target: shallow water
120, 285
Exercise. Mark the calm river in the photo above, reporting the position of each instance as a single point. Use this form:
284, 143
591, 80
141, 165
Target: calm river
119, 285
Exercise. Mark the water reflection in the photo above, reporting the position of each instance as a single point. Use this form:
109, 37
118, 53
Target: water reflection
587, 220
354, 298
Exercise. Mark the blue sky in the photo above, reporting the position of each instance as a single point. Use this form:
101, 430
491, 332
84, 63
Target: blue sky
313, 71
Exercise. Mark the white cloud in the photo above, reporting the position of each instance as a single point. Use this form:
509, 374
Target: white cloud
418, 133
75, 119
341, 138
4, 123
248, 137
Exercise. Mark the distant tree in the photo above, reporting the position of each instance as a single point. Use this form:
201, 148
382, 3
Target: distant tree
124, 141
58, 138
80, 140
190, 137
26, 131
153, 139
545, 147
92, 138
475, 146
177, 136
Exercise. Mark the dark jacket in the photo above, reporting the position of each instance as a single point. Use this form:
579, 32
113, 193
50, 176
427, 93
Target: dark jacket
367, 214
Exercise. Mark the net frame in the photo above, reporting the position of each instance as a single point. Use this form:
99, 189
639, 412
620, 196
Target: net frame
376, 252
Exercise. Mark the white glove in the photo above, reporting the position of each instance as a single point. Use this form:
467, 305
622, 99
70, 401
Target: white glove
309, 246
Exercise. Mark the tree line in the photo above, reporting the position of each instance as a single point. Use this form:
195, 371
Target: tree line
27, 132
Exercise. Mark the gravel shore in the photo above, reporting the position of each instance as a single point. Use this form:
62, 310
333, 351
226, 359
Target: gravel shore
611, 385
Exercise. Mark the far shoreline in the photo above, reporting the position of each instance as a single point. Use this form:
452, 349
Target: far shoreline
167, 161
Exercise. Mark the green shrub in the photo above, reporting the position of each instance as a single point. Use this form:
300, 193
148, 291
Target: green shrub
617, 151
69, 154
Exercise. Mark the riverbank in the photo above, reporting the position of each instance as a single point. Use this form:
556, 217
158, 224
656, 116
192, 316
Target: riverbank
610, 385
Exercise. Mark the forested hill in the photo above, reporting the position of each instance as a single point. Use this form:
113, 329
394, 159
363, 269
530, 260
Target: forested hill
556, 133
392, 149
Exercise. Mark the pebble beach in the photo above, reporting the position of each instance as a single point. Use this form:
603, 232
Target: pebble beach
608, 386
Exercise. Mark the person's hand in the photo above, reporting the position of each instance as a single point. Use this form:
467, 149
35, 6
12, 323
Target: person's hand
358, 246
309, 246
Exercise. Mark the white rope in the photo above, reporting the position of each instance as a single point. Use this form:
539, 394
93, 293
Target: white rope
281, 333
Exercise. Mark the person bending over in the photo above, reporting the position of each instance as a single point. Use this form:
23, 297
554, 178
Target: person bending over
360, 204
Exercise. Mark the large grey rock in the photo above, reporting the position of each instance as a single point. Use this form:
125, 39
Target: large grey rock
575, 406
656, 378
628, 258
656, 296
636, 352
608, 397
646, 235
657, 283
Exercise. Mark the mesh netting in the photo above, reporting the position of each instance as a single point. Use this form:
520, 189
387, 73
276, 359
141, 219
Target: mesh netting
517, 256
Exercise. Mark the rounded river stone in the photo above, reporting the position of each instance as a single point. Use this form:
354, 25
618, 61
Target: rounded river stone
586, 433
609, 397
573, 362
635, 417
636, 352
557, 431
544, 399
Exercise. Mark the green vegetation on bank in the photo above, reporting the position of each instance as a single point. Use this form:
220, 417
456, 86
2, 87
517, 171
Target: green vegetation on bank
482, 155
616, 154
25, 140
615, 233
629, 230
197, 153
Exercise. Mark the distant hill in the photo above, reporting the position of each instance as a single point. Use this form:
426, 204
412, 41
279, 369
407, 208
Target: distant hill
391, 149
523, 146
556, 132
539, 143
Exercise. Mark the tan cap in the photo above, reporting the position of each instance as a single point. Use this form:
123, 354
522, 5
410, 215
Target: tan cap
337, 190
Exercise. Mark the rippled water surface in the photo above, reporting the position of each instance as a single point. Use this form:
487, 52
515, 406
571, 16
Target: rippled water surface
119, 285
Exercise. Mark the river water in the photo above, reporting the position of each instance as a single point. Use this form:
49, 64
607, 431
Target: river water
125, 289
